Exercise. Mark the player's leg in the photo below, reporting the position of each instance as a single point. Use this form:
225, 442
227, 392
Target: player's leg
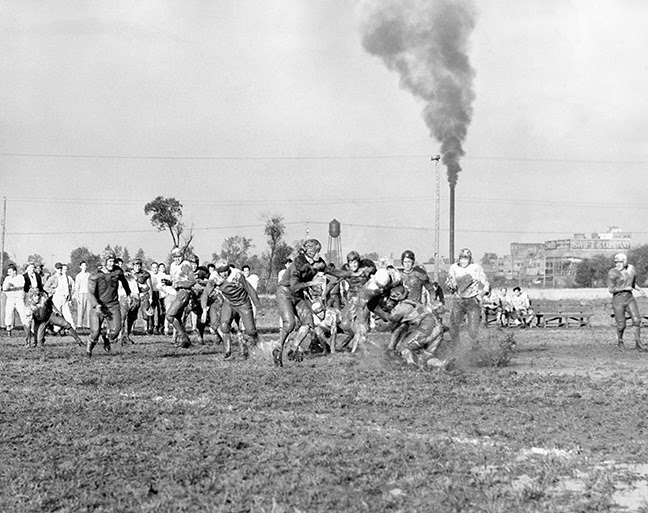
60, 321
633, 309
473, 314
288, 320
619, 308
226, 327
215, 309
175, 314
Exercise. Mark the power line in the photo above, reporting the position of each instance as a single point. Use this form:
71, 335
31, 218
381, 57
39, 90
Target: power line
310, 157
346, 201
322, 223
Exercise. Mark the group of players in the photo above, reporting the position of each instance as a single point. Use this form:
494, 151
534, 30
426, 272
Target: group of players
334, 308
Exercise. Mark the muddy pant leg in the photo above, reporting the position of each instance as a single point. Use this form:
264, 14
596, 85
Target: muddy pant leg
226, 327
397, 335
57, 320
456, 318
39, 333
246, 315
175, 312
633, 309
620, 302
304, 309
288, 316
113, 319
473, 311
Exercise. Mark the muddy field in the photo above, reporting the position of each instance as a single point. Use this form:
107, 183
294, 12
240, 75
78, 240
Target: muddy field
154, 428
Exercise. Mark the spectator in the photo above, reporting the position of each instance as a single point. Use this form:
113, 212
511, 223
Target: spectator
81, 296
33, 279
61, 286
13, 286
522, 314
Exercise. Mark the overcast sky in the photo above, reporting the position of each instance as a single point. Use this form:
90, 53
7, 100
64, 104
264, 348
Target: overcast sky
240, 107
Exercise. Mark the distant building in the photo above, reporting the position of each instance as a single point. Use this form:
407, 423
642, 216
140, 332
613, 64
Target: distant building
563, 256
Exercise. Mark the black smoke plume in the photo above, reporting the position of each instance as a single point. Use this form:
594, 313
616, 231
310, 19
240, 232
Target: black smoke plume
426, 42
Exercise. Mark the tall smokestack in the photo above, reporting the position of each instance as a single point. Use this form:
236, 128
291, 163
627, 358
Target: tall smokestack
452, 222
426, 42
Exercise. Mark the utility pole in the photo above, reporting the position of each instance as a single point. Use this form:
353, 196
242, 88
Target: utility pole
2, 251
437, 215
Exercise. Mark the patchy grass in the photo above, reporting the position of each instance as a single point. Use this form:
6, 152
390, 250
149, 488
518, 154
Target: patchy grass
154, 428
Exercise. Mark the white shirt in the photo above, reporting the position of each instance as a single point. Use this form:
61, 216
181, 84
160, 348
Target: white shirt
17, 282
81, 282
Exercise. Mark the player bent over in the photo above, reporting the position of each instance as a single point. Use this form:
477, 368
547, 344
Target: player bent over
621, 282
104, 302
239, 297
326, 321
369, 301
293, 302
43, 313
424, 333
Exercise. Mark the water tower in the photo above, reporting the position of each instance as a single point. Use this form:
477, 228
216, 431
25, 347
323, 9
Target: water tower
334, 248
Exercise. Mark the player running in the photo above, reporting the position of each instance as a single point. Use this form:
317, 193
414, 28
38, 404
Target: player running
469, 284
239, 297
104, 301
355, 273
182, 281
415, 278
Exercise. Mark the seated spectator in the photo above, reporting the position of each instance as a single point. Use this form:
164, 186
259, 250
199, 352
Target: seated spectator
505, 307
522, 313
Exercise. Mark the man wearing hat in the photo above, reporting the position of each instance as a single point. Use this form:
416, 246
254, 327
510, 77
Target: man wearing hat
61, 287
468, 282
103, 295
182, 280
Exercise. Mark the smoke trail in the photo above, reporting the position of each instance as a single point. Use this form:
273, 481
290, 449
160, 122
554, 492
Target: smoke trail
426, 42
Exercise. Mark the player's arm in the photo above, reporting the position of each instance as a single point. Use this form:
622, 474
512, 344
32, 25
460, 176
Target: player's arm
204, 297
612, 281
92, 291
254, 297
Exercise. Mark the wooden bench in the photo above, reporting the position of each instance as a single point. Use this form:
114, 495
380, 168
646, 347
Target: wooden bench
642, 303
562, 314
